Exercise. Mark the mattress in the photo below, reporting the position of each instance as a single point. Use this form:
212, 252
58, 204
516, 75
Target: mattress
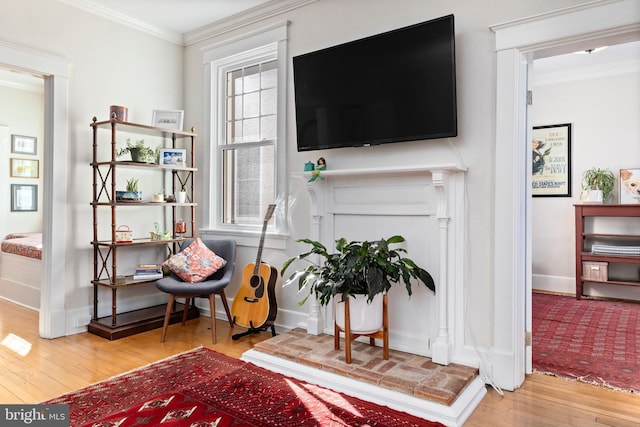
24, 244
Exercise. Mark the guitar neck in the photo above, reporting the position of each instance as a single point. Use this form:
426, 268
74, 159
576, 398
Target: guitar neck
256, 267
259, 256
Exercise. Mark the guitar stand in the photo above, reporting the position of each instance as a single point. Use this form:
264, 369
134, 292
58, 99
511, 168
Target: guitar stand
252, 331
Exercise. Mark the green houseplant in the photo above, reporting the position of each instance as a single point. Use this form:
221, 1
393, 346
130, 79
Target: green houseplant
356, 268
597, 179
131, 193
139, 152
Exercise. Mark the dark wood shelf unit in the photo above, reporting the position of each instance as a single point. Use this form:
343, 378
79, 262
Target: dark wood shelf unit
137, 321
106, 250
583, 247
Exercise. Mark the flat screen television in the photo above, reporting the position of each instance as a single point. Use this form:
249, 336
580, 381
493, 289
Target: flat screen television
391, 87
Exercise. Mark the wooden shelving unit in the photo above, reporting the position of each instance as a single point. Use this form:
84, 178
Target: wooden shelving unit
106, 249
585, 240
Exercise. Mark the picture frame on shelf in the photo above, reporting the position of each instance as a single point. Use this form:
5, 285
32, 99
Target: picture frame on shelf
24, 168
175, 157
551, 161
24, 198
167, 119
21, 144
630, 186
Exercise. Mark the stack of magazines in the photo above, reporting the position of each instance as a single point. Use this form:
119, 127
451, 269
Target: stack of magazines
617, 250
148, 272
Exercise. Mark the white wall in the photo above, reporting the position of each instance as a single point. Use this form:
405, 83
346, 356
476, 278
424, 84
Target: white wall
22, 113
604, 115
110, 64
329, 22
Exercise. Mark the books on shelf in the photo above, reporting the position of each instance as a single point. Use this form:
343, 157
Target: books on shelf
148, 276
617, 250
148, 272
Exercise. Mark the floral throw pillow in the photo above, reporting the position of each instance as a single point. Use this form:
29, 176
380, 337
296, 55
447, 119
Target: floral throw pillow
195, 263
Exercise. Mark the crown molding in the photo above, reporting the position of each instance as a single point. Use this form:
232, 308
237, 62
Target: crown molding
239, 20
123, 19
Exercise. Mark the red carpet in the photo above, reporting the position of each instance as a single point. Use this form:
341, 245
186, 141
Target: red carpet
205, 388
587, 340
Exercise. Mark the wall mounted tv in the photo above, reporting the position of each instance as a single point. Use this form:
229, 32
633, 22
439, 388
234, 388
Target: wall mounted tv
391, 87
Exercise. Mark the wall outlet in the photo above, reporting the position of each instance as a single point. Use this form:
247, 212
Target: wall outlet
81, 321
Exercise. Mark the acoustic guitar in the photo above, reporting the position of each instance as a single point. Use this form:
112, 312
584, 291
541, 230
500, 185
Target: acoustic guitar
254, 306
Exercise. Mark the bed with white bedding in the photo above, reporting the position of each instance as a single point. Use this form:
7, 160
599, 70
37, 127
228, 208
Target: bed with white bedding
21, 269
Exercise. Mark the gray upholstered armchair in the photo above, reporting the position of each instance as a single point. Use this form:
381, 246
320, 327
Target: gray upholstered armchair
212, 285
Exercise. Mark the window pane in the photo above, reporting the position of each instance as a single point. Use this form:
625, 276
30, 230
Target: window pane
236, 112
251, 105
248, 183
268, 128
269, 75
268, 101
252, 79
251, 130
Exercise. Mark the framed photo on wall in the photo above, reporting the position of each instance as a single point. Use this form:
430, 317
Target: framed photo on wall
630, 186
24, 168
24, 198
21, 144
551, 161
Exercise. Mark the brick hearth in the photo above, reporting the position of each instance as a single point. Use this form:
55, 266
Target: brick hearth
403, 372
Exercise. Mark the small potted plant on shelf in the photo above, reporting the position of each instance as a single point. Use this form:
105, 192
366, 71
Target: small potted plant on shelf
159, 234
182, 195
131, 194
598, 185
139, 152
361, 271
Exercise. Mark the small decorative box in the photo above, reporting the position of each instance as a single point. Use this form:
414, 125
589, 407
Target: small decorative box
593, 270
124, 234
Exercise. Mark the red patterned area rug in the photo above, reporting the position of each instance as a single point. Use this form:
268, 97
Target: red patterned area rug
205, 388
588, 340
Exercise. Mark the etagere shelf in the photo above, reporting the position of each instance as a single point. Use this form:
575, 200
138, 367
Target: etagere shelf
585, 239
107, 250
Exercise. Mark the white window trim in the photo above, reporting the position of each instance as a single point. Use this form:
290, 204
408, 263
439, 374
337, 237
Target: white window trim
263, 44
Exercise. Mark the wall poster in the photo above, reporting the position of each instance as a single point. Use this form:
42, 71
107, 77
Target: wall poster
551, 157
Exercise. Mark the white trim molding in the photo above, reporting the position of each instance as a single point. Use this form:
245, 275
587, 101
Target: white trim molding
518, 43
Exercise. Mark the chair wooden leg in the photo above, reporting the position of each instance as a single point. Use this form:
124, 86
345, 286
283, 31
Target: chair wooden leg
185, 311
167, 316
226, 306
212, 305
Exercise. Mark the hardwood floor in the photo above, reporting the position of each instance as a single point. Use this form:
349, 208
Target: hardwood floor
53, 367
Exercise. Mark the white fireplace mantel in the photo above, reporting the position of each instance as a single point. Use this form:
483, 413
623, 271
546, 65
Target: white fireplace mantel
423, 193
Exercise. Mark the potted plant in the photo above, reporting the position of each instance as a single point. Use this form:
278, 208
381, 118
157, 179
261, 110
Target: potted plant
363, 271
599, 184
131, 193
182, 195
139, 152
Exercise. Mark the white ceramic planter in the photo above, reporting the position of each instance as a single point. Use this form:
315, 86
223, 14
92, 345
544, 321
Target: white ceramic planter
594, 196
365, 318
182, 196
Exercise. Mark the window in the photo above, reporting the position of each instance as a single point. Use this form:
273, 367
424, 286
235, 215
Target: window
248, 149
247, 122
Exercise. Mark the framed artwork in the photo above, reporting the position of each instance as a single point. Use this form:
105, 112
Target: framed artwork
24, 168
167, 119
24, 198
630, 186
21, 144
176, 157
551, 161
